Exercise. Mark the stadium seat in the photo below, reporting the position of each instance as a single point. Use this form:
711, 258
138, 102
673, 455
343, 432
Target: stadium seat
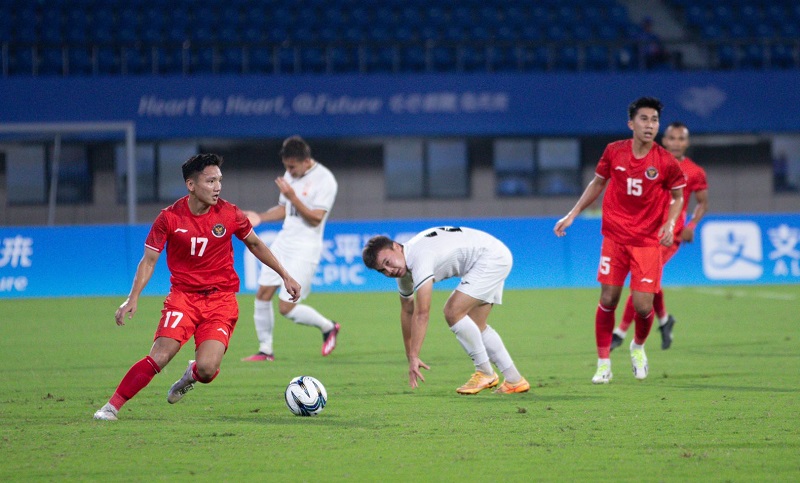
566, 58
535, 58
287, 60
169, 61
137, 61
443, 59
412, 59
343, 59
502, 59
726, 56
108, 61
261, 60
51, 61
80, 61
781, 56
203, 60
22, 61
312, 60
472, 59
752, 57
597, 57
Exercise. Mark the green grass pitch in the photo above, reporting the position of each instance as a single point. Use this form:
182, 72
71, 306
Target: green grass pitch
723, 404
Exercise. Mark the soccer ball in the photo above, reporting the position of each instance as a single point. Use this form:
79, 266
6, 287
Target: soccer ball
306, 396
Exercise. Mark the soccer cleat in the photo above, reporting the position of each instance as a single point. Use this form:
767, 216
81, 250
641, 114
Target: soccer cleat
507, 388
603, 374
261, 356
616, 341
329, 339
106, 413
478, 382
666, 333
639, 362
181, 386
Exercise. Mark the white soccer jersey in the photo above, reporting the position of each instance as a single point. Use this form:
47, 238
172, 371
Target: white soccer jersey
444, 252
317, 190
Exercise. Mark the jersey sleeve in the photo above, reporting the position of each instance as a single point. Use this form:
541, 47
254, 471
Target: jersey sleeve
701, 182
405, 285
603, 168
326, 196
157, 237
675, 178
243, 225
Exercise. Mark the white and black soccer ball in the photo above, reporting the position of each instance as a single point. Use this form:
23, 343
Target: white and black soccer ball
306, 396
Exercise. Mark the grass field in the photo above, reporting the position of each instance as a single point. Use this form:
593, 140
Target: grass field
723, 404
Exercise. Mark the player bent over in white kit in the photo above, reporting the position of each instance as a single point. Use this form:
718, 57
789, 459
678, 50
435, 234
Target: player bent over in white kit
483, 262
308, 190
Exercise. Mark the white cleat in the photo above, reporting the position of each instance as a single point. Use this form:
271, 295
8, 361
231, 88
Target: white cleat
181, 386
106, 413
639, 362
603, 374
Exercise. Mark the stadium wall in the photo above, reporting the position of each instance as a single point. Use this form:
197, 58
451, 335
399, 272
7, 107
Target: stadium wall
731, 250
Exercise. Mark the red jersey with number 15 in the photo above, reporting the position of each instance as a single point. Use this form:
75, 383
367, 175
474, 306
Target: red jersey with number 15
199, 247
637, 191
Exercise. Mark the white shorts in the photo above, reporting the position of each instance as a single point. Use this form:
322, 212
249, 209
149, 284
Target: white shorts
301, 270
486, 278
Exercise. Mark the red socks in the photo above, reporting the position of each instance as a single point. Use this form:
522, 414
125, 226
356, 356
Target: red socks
658, 304
197, 377
138, 376
643, 325
604, 329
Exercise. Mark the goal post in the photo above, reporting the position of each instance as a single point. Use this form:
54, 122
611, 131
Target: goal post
57, 129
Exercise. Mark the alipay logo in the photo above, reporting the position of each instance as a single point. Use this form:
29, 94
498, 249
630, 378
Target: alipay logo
785, 243
732, 250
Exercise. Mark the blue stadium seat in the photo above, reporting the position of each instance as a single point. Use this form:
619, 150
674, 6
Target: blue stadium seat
608, 32
379, 59
137, 61
592, 15
566, 58
739, 31
287, 60
790, 30
582, 33
80, 61
203, 60
726, 56
169, 61
108, 61
343, 59
312, 60
752, 57
625, 58
505, 33
532, 33
781, 56
261, 60
696, 16
597, 57
51, 61
21, 61
556, 33
502, 59
412, 59
230, 60
535, 58
472, 59
51, 35
443, 59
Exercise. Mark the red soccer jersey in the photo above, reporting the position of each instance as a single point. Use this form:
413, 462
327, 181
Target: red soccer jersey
633, 205
695, 181
199, 247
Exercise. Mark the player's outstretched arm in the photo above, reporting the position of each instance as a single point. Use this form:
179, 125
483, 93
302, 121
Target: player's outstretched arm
275, 213
666, 233
144, 271
265, 255
590, 194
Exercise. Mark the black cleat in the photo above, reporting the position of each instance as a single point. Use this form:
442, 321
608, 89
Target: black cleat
616, 341
666, 333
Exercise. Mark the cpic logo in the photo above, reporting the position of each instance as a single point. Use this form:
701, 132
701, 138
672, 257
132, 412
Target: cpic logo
732, 250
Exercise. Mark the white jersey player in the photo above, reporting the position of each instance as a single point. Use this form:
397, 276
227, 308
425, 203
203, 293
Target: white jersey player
483, 262
308, 191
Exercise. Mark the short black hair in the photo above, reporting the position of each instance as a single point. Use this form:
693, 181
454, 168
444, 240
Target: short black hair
677, 125
295, 147
373, 247
198, 162
651, 102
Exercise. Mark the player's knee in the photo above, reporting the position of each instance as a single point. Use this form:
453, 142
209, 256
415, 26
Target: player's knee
206, 372
285, 308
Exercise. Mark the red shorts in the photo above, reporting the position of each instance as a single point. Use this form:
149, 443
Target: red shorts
643, 263
205, 316
668, 252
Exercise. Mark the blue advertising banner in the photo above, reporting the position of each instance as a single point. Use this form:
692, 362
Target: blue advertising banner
101, 260
405, 105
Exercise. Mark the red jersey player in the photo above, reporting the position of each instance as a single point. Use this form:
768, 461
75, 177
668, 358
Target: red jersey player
676, 140
640, 175
197, 230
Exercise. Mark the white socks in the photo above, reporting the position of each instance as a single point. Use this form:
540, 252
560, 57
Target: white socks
303, 314
264, 317
620, 332
469, 336
499, 355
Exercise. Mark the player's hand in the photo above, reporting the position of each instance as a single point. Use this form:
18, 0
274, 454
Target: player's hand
561, 226
666, 234
293, 288
128, 307
255, 218
286, 188
414, 373
687, 234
